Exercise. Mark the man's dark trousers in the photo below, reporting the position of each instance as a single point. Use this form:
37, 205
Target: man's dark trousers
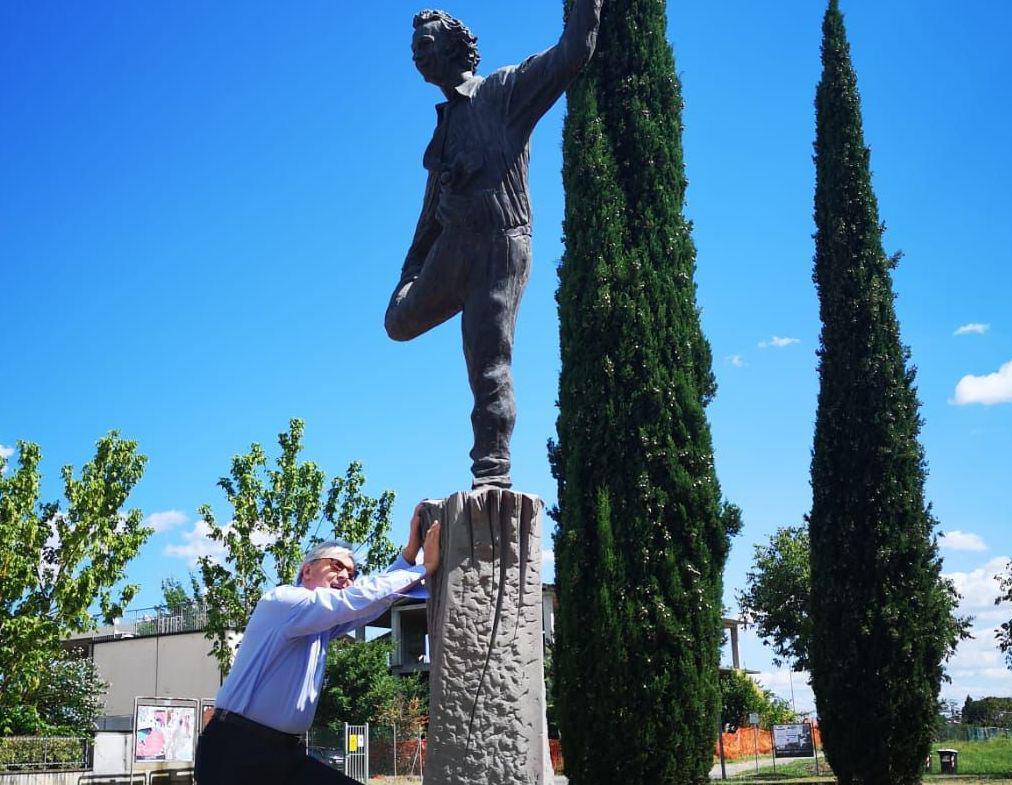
229, 754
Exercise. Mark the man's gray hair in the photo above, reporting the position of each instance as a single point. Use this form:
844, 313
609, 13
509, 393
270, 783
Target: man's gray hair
329, 549
466, 41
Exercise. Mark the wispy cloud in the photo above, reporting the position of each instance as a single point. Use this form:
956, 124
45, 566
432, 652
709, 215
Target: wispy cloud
973, 328
957, 540
776, 342
163, 521
987, 390
736, 360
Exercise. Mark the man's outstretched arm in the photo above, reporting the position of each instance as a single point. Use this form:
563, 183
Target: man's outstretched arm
541, 79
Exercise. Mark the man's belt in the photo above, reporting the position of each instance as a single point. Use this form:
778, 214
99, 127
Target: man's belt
264, 732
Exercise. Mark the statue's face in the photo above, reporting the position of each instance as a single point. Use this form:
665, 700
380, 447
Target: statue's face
430, 45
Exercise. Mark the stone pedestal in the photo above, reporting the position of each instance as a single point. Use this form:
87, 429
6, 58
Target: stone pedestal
487, 709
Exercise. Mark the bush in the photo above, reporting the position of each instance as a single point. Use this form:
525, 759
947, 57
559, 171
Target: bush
39, 753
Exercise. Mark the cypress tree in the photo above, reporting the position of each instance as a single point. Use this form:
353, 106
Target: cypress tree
642, 536
880, 612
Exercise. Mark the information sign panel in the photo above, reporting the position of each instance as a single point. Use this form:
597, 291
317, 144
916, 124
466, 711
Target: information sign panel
793, 741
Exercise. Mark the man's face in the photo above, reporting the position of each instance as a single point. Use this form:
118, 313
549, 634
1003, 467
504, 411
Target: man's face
328, 573
429, 45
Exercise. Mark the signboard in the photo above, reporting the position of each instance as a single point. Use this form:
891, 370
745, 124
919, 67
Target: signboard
793, 741
753, 718
165, 733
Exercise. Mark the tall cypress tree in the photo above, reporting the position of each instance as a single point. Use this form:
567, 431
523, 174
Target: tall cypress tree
880, 612
642, 534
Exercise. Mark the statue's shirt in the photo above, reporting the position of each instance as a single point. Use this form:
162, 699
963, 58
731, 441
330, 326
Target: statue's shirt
479, 154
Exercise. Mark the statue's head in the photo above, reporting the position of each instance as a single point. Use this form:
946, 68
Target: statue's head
441, 45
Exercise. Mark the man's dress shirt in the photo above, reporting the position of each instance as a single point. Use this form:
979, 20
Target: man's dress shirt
278, 671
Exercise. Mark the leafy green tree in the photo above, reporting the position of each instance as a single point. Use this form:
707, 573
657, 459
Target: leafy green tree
776, 595
879, 609
1003, 634
57, 565
742, 696
274, 511
988, 712
360, 688
643, 535
175, 597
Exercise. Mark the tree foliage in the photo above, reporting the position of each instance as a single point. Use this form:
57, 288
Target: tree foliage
56, 565
742, 696
360, 688
776, 595
988, 712
274, 512
879, 609
777, 598
1003, 635
643, 535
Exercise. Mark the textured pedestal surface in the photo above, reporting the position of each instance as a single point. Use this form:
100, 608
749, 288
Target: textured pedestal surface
487, 709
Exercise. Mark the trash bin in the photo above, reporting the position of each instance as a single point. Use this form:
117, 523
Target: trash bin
948, 761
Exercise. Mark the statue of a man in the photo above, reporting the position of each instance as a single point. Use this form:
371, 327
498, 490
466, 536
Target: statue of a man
471, 251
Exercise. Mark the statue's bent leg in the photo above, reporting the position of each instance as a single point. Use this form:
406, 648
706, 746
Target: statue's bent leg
436, 294
495, 286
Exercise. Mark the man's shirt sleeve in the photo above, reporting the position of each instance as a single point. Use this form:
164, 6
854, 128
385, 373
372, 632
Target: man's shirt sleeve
332, 609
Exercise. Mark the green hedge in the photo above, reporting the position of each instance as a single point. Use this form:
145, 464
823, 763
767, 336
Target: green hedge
38, 753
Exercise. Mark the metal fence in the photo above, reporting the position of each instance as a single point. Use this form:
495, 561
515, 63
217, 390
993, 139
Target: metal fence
388, 750
955, 732
44, 753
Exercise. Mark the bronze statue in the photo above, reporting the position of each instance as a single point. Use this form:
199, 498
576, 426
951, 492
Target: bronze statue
471, 251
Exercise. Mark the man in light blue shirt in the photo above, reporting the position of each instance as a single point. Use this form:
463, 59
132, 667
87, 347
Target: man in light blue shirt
270, 695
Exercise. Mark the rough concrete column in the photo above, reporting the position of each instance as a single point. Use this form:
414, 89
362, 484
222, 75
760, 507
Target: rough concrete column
487, 703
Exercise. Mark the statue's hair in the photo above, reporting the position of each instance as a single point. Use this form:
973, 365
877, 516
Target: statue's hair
466, 41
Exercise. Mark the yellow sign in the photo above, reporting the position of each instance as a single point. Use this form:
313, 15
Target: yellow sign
353, 742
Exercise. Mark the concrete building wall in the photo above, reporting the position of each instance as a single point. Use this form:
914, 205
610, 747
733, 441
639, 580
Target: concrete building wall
167, 666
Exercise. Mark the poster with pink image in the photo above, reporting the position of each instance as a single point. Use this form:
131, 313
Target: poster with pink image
165, 733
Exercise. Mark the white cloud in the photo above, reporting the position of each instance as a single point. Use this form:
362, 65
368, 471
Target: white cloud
163, 521
979, 588
736, 360
990, 389
777, 342
793, 687
197, 543
956, 540
972, 328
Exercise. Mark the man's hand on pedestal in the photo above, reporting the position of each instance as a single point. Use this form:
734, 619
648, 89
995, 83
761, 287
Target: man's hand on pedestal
431, 548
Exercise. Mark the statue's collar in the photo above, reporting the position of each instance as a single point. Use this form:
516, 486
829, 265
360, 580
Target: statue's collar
465, 89
469, 86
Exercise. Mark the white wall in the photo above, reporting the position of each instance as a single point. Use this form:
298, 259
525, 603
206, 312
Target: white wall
112, 753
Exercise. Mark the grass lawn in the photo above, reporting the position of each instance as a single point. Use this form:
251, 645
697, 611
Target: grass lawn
979, 762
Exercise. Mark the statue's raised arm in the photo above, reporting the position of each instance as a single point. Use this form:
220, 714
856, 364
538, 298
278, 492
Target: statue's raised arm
471, 252
541, 79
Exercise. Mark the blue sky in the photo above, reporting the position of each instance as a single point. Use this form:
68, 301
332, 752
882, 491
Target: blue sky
203, 208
